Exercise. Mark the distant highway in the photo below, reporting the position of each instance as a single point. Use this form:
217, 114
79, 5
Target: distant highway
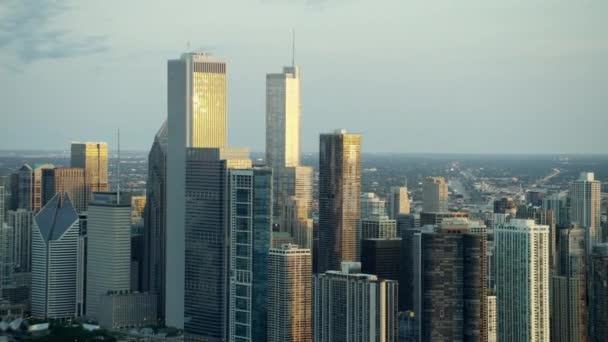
554, 173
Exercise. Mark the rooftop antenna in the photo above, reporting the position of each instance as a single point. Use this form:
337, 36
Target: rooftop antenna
118, 172
188, 45
293, 48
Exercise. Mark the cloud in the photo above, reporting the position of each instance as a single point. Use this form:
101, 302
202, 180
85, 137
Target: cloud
27, 31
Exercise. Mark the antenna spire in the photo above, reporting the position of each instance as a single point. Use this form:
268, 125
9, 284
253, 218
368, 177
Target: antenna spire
118, 172
293, 47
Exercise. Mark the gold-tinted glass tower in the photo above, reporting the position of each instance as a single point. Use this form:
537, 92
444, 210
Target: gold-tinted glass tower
93, 158
339, 199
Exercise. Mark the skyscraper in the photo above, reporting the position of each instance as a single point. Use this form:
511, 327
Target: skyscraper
207, 253
26, 187
569, 287
250, 228
196, 117
585, 207
522, 281
599, 293
381, 257
7, 255
354, 307
339, 190
155, 220
492, 319
450, 284
93, 158
54, 259
283, 110
21, 221
559, 204
108, 248
289, 294
435, 195
398, 202
378, 227
292, 197
372, 205
67, 180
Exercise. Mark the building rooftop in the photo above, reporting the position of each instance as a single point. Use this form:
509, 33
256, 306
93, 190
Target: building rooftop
57, 216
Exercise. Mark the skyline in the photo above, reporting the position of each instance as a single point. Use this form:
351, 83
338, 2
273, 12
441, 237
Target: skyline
491, 73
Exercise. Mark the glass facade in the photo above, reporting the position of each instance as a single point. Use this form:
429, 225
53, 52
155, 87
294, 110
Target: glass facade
339, 199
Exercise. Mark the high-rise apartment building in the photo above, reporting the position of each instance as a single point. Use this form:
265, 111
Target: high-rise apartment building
598, 293
292, 199
339, 191
354, 307
492, 319
67, 180
207, 252
21, 221
7, 255
108, 248
54, 259
196, 117
3, 204
93, 158
372, 205
283, 117
435, 195
569, 287
398, 202
450, 282
155, 221
559, 204
585, 207
522, 281
250, 228
289, 301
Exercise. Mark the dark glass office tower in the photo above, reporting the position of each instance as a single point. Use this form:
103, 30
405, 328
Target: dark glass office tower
599, 293
250, 226
381, 257
450, 283
339, 199
155, 221
207, 241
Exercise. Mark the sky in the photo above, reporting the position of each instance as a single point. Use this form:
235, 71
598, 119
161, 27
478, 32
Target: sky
419, 76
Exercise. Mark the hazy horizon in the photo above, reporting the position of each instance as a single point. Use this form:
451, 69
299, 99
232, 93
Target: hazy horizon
508, 77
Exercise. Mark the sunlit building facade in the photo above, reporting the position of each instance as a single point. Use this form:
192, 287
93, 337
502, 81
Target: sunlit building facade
435, 195
93, 158
289, 299
339, 201
196, 118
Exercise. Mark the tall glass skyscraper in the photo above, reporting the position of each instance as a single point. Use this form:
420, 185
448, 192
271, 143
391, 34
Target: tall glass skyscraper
207, 258
522, 281
93, 158
196, 118
339, 201
585, 207
250, 225
155, 221
283, 110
